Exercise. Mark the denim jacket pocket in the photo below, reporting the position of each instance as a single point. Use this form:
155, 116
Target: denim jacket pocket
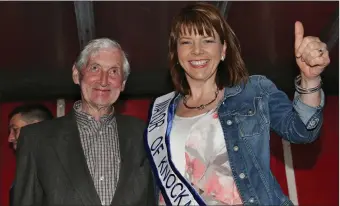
251, 118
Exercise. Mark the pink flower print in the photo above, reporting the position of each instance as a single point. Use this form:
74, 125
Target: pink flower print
215, 115
225, 195
161, 199
222, 190
194, 168
229, 195
187, 162
212, 186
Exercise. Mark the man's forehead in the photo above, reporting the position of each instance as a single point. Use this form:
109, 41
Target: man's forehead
17, 121
107, 55
106, 51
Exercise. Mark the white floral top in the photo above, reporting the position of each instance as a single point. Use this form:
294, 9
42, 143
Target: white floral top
199, 153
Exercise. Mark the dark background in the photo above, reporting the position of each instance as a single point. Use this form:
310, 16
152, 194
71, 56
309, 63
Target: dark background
39, 42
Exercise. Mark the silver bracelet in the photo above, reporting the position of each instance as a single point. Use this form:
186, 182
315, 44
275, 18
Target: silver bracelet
302, 90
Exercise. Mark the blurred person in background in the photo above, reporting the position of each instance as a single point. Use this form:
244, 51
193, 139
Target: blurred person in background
21, 116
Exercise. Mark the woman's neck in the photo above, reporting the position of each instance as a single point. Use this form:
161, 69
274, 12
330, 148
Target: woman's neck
202, 90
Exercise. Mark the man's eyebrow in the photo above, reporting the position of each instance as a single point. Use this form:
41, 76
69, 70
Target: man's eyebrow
11, 127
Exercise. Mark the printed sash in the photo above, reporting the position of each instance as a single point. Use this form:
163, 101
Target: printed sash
175, 189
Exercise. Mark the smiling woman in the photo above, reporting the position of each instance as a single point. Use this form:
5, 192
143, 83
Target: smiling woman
192, 36
211, 141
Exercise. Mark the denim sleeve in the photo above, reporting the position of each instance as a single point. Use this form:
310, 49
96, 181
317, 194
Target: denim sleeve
309, 115
294, 121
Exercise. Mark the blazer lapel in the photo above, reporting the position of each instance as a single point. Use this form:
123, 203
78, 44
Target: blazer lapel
71, 154
124, 161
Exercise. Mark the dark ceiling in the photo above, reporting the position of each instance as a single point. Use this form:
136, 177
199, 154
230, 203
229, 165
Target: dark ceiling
39, 42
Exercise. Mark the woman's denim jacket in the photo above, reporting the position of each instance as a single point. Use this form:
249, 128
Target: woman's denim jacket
247, 114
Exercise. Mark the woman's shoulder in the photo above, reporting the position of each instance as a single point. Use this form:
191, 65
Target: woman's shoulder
256, 85
260, 83
259, 79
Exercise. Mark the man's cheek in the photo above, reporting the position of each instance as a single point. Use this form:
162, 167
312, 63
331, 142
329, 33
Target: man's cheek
117, 84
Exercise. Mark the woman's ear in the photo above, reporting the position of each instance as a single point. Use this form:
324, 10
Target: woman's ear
224, 50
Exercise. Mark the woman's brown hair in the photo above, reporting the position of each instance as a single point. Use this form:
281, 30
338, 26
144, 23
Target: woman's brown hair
200, 18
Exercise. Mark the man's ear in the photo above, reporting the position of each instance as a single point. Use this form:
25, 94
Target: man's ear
123, 86
35, 121
75, 75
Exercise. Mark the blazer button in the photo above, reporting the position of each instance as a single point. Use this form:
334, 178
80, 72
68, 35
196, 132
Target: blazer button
229, 122
235, 148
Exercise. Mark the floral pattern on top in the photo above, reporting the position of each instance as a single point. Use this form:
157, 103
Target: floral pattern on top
207, 166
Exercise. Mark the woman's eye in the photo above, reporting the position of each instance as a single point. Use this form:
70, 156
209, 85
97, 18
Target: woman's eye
209, 41
184, 42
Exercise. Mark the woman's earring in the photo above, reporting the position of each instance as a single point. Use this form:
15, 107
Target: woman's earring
222, 58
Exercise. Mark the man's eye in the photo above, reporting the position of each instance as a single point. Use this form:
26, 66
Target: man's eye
113, 71
15, 130
94, 68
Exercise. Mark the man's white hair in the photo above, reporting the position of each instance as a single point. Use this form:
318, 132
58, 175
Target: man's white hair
94, 46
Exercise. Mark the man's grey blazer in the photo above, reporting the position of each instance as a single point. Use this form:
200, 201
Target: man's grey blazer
52, 169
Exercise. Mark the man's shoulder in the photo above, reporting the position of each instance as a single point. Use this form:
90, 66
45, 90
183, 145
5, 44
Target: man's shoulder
130, 120
45, 130
130, 126
47, 126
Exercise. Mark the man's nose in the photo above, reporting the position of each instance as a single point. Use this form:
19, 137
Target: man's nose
104, 78
11, 137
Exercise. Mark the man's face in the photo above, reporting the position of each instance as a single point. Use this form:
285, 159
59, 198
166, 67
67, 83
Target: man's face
102, 80
15, 123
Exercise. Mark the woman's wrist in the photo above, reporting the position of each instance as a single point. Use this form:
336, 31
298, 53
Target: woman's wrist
305, 85
310, 82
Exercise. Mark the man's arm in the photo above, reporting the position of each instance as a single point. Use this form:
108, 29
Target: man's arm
150, 198
27, 190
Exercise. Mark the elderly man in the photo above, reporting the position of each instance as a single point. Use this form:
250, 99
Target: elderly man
21, 116
93, 155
